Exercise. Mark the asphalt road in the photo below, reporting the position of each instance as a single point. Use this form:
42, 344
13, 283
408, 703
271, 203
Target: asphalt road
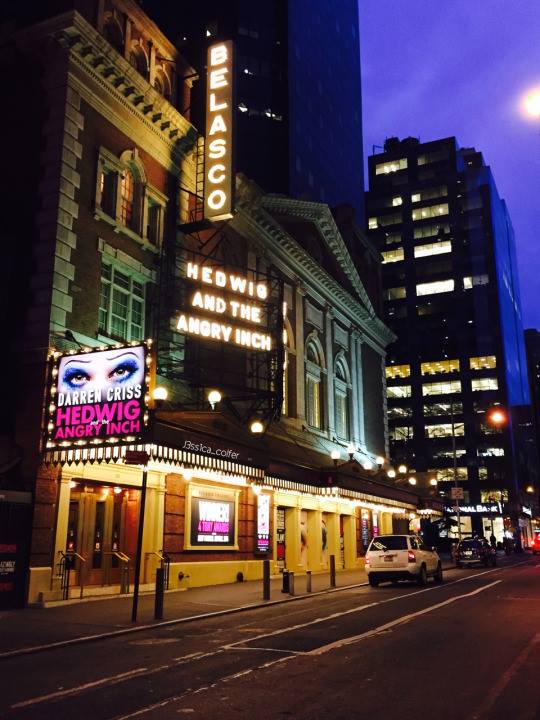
466, 650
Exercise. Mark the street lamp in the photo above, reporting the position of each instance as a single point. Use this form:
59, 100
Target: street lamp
335, 455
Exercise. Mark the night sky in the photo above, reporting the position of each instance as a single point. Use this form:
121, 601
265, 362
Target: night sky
432, 69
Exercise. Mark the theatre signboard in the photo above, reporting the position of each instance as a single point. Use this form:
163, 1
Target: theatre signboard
98, 397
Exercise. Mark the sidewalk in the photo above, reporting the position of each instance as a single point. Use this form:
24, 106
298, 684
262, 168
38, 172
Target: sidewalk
33, 627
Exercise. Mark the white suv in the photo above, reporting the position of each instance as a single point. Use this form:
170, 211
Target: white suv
401, 557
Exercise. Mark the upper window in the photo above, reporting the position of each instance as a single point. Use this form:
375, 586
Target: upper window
390, 256
122, 304
472, 281
441, 388
398, 371
482, 384
398, 391
429, 194
439, 366
391, 166
487, 362
341, 398
438, 248
314, 366
433, 288
384, 220
126, 200
431, 230
113, 33
139, 60
444, 430
432, 157
431, 211
397, 293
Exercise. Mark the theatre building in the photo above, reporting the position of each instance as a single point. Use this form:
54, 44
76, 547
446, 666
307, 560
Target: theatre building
245, 358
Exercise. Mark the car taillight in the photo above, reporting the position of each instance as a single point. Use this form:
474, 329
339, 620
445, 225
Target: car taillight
367, 560
411, 556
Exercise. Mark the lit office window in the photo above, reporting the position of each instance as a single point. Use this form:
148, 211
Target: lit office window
390, 256
447, 474
448, 454
438, 248
490, 496
442, 408
486, 362
398, 200
397, 413
441, 388
490, 452
398, 391
429, 194
444, 430
401, 433
482, 384
433, 288
372, 223
397, 293
391, 166
314, 365
435, 367
432, 211
472, 281
398, 371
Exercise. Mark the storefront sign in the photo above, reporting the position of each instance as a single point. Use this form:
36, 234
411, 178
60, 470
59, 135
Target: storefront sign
98, 396
263, 523
375, 522
471, 509
212, 517
232, 306
526, 510
218, 166
8, 552
365, 527
280, 537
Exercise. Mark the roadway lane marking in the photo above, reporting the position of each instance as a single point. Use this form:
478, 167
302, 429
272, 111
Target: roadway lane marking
112, 680
501, 685
358, 608
399, 621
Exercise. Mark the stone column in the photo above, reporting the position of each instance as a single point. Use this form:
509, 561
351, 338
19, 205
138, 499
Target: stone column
314, 540
329, 352
300, 360
292, 538
355, 430
62, 519
332, 529
349, 540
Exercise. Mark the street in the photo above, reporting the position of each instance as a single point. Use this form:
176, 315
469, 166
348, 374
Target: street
468, 649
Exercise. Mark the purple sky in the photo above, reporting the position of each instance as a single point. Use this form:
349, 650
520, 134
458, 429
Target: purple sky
432, 69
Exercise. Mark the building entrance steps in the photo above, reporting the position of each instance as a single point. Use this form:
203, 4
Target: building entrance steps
70, 622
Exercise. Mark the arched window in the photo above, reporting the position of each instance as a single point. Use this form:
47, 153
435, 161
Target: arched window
127, 196
113, 33
138, 59
162, 83
314, 368
341, 398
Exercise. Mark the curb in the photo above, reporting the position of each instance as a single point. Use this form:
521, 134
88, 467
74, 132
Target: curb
166, 623
177, 621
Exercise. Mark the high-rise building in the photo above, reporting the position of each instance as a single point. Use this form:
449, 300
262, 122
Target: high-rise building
452, 298
299, 108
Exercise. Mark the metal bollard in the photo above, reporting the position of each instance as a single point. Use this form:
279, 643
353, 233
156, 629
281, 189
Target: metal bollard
332, 571
266, 579
308, 581
160, 590
291, 583
285, 588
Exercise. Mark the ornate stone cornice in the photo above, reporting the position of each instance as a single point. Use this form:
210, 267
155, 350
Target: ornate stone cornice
171, 136
256, 223
320, 215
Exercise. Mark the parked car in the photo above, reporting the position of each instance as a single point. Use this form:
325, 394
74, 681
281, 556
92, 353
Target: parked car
402, 557
535, 545
474, 551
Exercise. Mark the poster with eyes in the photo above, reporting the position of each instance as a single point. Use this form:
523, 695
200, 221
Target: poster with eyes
98, 396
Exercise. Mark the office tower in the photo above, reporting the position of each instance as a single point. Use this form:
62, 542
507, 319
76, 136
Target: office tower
452, 298
299, 111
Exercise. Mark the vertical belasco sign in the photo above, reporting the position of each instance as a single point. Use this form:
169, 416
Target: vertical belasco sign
218, 156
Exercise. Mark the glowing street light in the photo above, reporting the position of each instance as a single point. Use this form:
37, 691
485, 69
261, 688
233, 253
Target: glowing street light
531, 103
412, 481
497, 416
402, 469
214, 397
335, 455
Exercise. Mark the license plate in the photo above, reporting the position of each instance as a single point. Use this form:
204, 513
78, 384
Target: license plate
467, 552
389, 559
